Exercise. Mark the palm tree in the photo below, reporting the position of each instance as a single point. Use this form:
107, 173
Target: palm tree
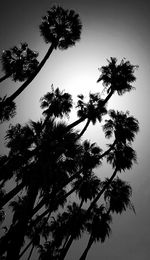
117, 77
117, 196
7, 110
93, 110
60, 28
87, 187
56, 104
122, 125
99, 228
75, 215
19, 63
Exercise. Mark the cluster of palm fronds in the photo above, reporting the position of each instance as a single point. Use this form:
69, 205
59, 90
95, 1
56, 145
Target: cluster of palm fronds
56, 196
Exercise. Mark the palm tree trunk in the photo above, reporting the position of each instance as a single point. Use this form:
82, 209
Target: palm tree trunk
29, 80
108, 97
18, 231
6, 76
77, 122
11, 194
102, 191
108, 151
25, 249
85, 128
65, 250
90, 242
30, 254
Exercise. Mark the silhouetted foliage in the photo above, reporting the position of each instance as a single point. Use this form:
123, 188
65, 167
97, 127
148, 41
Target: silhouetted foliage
56, 196
19, 63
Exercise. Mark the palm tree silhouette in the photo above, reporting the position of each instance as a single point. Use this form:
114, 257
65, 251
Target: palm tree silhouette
122, 125
7, 110
19, 63
93, 110
117, 77
56, 104
87, 189
99, 228
117, 196
60, 28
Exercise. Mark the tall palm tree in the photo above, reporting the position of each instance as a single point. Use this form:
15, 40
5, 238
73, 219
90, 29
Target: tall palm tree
19, 63
86, 188
61, 29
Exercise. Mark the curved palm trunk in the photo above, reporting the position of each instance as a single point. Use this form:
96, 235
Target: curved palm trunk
85, 128
6, 76
28, 81
11, 194
90, 242
75, 123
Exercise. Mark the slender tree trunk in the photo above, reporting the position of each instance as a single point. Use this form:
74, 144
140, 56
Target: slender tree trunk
6, 76
30, 254
65, 250
17, 237
25, 249
85, 128
75, 123
69, 243
29, 80
108, 97
11, 194
102, 191
90, 242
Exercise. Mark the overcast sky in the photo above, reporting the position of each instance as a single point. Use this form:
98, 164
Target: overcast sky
110, 29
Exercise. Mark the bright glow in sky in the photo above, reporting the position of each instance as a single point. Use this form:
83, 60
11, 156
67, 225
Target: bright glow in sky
110, 29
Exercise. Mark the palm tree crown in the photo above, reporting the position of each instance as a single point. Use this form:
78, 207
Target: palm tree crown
61, 27
122, 125
93, 110
118, 77
20, 63
117, 195
56, 103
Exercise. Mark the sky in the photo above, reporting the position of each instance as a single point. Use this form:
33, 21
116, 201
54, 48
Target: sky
110, 29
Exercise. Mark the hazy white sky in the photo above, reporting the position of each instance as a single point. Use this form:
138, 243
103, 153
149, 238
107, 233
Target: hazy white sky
110, 29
